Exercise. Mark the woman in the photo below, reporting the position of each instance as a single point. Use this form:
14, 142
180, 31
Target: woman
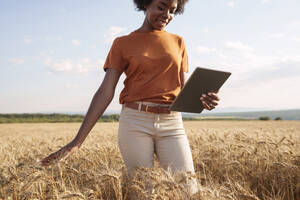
154, 62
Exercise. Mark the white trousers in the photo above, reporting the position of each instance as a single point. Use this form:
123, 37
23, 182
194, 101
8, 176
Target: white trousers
142, 134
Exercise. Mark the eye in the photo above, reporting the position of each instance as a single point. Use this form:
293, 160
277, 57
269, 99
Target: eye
160, 8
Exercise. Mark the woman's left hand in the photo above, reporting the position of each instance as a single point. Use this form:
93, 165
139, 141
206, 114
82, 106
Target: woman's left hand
209, 100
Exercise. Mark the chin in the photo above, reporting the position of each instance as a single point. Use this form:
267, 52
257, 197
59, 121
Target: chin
159, 27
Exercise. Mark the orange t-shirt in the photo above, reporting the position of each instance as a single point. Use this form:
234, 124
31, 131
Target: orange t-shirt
153, 63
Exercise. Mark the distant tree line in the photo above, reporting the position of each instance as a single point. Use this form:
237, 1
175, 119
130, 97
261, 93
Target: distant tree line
51, 118
266, 118
56, 118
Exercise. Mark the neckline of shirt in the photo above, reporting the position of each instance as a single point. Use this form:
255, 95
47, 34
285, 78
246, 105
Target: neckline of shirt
150, 32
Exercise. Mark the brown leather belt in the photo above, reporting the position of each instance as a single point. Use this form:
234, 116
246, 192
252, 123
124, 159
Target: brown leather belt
149, 108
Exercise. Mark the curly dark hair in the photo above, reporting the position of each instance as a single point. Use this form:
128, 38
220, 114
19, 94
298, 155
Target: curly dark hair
140, 5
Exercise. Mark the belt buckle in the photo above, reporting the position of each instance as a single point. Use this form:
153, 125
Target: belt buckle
146, 108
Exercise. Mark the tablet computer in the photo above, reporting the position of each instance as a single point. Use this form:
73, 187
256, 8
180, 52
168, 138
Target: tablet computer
201, 81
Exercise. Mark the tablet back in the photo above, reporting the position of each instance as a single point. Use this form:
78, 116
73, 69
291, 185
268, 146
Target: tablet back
201, 81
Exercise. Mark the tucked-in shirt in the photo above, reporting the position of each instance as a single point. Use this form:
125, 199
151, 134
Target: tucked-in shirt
153, 63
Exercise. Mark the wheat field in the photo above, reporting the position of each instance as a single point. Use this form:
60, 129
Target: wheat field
241, 160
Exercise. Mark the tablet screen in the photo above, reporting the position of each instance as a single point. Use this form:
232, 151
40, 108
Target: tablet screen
201, 81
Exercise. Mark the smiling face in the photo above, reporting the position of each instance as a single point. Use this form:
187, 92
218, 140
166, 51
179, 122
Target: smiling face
159, 13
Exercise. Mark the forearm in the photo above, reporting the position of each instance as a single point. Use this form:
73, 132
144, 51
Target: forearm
97, 107
99, 103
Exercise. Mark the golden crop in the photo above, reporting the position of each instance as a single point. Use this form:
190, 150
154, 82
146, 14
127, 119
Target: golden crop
241, 160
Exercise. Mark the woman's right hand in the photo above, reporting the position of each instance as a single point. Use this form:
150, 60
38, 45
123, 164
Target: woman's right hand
101, 100
60, 155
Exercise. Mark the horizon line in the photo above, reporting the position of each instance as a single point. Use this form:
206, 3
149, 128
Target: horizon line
118, 112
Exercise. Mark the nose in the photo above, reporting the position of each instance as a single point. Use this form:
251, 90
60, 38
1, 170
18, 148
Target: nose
167, 14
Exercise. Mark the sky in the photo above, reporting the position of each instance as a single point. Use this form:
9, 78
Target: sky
52, 52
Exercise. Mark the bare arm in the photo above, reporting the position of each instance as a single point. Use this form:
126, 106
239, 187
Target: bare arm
100, 101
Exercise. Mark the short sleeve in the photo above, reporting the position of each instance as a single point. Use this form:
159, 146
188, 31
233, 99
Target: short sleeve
115, 59
184, 61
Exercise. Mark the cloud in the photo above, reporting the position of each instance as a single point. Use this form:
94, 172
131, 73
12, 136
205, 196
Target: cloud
17, 61
285, 67
68, 66
71, 85
277, 35
229, 49
27, 40
296, 39
238, 46
205, 30
294, 24
257, 80
205, 50
270, 93
60, 66
100, 62
55, 38
76, 42
246, 65
266, 1
112, 33
232, 4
